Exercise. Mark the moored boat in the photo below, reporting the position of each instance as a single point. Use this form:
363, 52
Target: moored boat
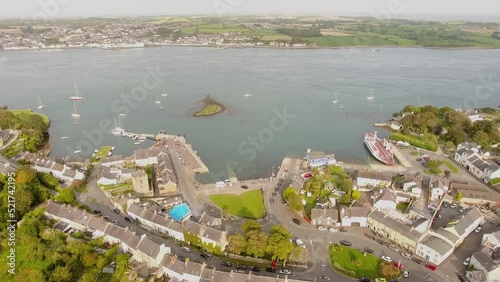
379, 148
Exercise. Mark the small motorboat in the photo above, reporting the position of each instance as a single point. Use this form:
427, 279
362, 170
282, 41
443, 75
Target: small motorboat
64, 137
77, 151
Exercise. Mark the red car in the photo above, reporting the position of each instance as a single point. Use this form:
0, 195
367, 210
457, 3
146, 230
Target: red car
281, 179
397, 265
431, 267
308, 175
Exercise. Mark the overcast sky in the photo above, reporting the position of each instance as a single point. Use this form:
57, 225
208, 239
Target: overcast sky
394, 8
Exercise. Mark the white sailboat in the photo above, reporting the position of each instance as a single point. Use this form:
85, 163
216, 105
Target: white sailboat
160, 108
77, 151
75, 114
158, 99
371, 97
64, 137
164, 94
40, 104
336, 99
118, 130
77, 97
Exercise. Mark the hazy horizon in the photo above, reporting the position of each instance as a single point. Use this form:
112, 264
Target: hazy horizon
405, 9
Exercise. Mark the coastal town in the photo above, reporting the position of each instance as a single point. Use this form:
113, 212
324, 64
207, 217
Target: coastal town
415, 214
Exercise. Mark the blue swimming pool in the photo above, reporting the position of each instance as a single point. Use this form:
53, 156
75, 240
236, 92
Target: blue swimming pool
179, 212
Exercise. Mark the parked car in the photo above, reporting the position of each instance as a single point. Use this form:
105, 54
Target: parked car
254, 269
397, 265
270, 269
386, 258
271, 200
279, 184
296, 221
342, 229
241, 266
244, 186
107, 217
431, 266
205, 256
380, 280
321, 228
345, 243
467, 261
445, 205
453, 206
308, 175
333, 229
186, 249
114, 221
417, 261
477, 230
406, 274
462, 210
281, 180
368, 250
381, 242
97, 212
440, 216
239, 270
393, 247
285, 271
129, 219
226, 263
116, 210
364, 279
406, 255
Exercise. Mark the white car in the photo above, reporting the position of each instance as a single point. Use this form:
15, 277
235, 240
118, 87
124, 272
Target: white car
406, 274
300, 243
333, 229
321, 228
406, 255
285, 271
462, 210
386, 258
453, 206
478, 229
394, 248
467, 261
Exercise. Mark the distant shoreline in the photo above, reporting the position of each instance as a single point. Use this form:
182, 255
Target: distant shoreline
60, 49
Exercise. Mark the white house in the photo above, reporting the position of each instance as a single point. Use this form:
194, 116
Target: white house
59, 171
144, 157
324, 217
484, 262
74, 217
318, 159
434, 249
354, 216
491, 240
150, 252
413, 185
373, 179
385, 199
438, 186
116, 161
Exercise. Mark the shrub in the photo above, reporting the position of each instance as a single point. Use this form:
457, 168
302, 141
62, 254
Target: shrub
415, 141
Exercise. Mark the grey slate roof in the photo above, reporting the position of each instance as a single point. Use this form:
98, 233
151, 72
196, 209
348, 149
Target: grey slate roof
396, 225
149, 247
437, 244
485, 260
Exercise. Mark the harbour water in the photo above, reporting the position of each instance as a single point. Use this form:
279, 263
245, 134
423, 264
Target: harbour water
291, 103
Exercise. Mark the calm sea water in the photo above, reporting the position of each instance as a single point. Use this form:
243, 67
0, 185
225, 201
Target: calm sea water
301, 82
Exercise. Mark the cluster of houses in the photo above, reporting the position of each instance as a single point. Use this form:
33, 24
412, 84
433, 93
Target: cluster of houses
58, 169
485, 262
119, 170
473, 158
153, 255
4, 137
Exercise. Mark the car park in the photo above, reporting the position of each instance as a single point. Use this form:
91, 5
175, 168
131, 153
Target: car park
467, 261
285, 271
186, 249
393, 247
296, 221
345, 243
270, 269
226, 263
406, 255
386, 258
477, 230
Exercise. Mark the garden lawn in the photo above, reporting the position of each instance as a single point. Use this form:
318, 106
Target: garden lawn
344, 257
247, 205
28, 113
451, 167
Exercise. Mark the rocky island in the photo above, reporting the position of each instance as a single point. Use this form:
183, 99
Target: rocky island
210, 107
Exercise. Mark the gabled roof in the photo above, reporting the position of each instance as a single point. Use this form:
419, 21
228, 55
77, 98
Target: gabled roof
213, 234
193, 227
466, 220
115, 231
387, 177
437, 244
98, 223
325, 213
351, 212
137, 210
130, 239
485, 261
397, 225
148, 247
386, 195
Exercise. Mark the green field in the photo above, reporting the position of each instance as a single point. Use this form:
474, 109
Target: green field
189, 30
247, 205
29, 112
102, 153
344, 256
451, 167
